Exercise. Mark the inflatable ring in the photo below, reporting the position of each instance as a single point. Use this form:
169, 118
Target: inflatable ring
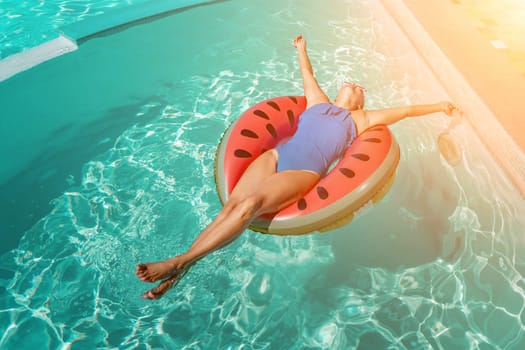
364, 173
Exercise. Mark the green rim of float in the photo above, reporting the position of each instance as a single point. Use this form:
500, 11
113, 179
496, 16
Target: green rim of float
365, 172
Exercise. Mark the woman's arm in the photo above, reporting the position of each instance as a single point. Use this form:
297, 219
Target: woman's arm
390, 116
313, 92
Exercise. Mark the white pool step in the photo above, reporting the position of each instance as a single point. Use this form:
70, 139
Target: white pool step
24, 60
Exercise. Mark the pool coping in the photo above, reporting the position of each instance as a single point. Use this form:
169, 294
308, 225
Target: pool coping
493, 99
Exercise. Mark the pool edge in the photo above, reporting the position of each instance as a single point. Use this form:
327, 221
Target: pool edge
499, 135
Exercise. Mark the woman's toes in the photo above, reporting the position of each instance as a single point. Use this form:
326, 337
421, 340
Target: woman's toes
152, 294
140, 269
147, 295
145, 278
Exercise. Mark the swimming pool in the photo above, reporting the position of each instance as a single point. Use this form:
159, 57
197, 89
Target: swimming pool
136, 117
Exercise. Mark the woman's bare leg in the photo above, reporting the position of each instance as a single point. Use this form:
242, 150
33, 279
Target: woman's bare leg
276, 192
272, 195
261, 168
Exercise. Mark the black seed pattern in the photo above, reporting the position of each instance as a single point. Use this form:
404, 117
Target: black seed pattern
249, 133
373, 139
322, 192
261, 114
301, 204
347, 172
361, 156
294, 100
241, 153
291, 118
271, 130
273, 105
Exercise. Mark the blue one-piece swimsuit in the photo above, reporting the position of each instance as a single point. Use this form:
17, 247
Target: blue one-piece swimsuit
323, 134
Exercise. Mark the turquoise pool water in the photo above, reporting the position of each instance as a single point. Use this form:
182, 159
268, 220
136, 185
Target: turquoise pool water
119, 139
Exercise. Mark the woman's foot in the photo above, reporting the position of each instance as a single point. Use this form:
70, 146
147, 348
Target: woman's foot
151, 272
158, 291
164, 286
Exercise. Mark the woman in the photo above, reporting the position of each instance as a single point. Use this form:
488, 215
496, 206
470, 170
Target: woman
281, 176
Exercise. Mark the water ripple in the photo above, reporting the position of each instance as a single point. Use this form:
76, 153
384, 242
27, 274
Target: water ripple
438, 263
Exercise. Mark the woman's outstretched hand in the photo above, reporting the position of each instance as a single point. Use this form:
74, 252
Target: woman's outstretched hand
449, 108
299, 42
448, 147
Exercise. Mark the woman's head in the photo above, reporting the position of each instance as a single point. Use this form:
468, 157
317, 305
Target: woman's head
350, 96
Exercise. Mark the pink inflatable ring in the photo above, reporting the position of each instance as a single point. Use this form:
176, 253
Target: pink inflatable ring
364, 173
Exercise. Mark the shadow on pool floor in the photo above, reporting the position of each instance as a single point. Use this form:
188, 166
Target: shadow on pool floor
26, 197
